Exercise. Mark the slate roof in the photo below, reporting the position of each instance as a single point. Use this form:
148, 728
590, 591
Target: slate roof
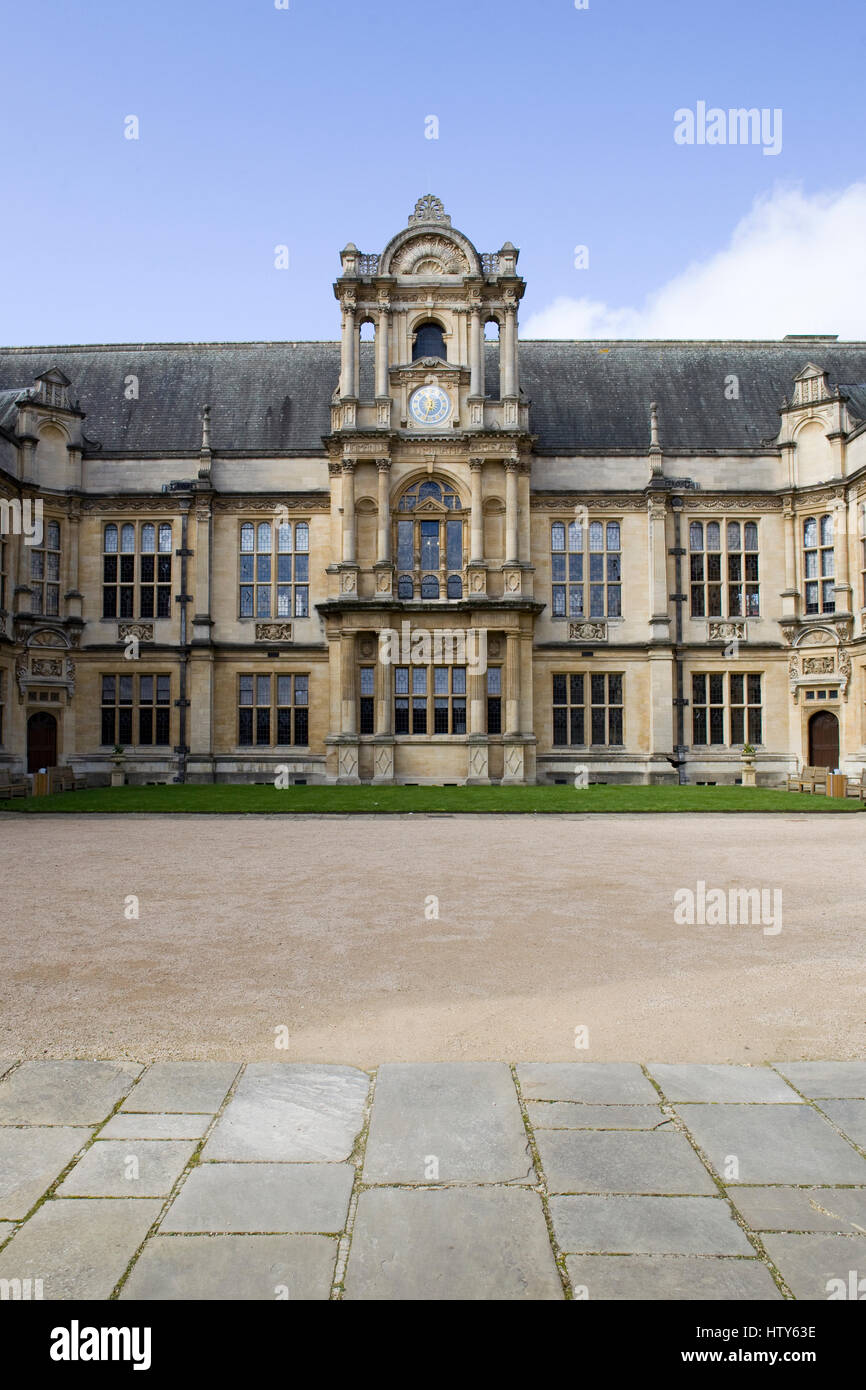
585, 396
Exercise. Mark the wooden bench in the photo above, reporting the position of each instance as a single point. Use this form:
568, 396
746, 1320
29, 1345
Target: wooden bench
12, 784
808, 779
63, 779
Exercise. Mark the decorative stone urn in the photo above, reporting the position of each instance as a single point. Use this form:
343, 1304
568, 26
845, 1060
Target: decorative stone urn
748, 765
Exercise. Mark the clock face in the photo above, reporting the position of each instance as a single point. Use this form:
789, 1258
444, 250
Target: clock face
430, 405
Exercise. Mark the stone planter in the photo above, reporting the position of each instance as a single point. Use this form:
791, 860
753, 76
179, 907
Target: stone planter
748, 769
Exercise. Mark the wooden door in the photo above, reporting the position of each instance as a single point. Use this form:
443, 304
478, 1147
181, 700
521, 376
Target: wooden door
41, 741
824, 740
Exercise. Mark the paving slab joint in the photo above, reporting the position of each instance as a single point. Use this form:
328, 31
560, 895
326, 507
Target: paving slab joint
752, 1237
194, 1162
541, 1188
356, 1158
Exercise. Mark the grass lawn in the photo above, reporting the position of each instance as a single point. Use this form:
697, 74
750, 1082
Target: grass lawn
266, 800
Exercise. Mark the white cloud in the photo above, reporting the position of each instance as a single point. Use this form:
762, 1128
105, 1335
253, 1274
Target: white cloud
794, 264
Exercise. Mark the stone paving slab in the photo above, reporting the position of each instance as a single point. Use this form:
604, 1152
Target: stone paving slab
565, 1114
79, 1249
773, 1144
692, 1081
809, 1263
850, 1116
816, 1079
647, 1226
198, 1087
292, 1114
30, 1161
664, 1278
450, 1204
64, 1093
253, 1198
243, 1268
4, 1066
128, 1168
446, 1122
609, 1083
455, 1243
625, 1161
155, 1126
802, 1208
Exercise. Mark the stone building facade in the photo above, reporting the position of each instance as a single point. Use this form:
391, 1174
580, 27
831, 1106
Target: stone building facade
431, 552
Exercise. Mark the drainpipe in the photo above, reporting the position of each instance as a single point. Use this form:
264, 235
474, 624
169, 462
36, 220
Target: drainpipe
183, 598
679, 596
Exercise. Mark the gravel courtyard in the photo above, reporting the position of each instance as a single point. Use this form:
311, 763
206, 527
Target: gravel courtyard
319, 934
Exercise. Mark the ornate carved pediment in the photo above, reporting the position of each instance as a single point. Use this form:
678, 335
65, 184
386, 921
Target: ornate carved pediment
430, 209
430, 255
47, 637
831, 668
818, 637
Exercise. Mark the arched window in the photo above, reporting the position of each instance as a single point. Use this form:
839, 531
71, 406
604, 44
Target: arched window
440, 492
492, 359
429, 342
367, 360
430, 543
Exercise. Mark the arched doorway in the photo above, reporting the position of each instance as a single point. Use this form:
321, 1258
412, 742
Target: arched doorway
824, 740
41, 741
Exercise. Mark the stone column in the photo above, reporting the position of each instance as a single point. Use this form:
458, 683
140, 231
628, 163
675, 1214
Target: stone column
383, 549
349, 549
348, 684
660, 621
509, 352
385, 703
383, 744
382, 350
347, 376
525, 513
476, 523
843, 563
478, 769
789, 593
512, 684
475, 349
73, 597
511, 544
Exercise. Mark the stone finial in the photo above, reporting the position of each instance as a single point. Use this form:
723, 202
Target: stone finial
655, 448
429, 209
205, 449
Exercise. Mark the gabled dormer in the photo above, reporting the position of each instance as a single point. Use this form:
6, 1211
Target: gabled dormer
52, 389
811, 385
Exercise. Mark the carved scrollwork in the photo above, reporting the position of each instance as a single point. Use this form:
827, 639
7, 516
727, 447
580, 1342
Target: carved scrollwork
142, 631
434, 255
724, 632
273, 632
587, 632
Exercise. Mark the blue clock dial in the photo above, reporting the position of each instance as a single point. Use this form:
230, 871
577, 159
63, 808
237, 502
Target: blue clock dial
430, 405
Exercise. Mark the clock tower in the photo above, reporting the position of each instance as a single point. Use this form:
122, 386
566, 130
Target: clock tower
429, 465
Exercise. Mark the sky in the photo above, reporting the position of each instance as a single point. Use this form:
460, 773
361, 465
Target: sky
304, 124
